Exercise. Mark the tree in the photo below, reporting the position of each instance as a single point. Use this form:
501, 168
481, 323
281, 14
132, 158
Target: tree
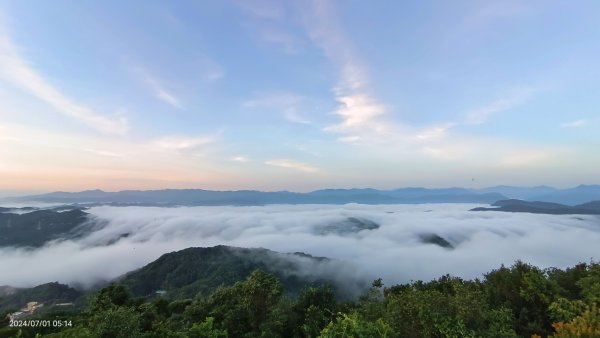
314, 308
110, 296
351, 326
117, 322
586, 325
206, 330
260, 291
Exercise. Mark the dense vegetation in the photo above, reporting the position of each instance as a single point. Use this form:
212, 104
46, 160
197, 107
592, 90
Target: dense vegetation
48, 294
193, 271
517, 301
38, 227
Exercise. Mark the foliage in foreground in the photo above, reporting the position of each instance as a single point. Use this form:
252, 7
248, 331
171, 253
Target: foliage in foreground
516, 301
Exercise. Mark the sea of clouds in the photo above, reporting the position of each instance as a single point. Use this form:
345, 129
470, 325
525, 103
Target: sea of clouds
127, 238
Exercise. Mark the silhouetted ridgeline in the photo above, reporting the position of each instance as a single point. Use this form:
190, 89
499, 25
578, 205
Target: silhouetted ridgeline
572, 196
590, 208
252, 197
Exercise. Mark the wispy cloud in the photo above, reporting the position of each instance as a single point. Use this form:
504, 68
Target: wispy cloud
184, 143
291, 164
76, 161
525, 158
103, 152
264, 9
166, 96
289, 42
364, 119
503, 103
212, 71
479, 20
269, 20
159, 89
17, 71
436, 132
10, 138
240, 158
575, 124
4, 136
452, 151
288, 104
307, 150
491, 12
359, 111
326, 31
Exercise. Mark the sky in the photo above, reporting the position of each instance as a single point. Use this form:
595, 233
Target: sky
297, 95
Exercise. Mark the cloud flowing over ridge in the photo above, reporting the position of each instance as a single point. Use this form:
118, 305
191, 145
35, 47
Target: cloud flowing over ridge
130, 237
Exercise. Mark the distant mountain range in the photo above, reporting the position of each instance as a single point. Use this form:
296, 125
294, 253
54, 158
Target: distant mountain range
513, 205
169, 197
252, 197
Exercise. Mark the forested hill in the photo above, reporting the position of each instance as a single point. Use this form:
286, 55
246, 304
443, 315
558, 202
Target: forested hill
191, 271
509, 302
48, 294
39, 226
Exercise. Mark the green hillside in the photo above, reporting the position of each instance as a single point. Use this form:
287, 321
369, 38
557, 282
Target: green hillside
214, 292
191, 271
38, 227
48, 294
517, 301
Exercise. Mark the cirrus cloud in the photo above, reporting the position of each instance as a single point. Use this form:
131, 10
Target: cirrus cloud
17, 71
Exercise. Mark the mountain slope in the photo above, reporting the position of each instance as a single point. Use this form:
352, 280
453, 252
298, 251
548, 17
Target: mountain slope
38, 227
573, 196
590, 208
201, 270
48, 294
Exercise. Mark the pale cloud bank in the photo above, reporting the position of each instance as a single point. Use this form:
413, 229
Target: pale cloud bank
482, 240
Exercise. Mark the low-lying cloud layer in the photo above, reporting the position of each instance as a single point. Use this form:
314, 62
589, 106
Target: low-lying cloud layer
134, 236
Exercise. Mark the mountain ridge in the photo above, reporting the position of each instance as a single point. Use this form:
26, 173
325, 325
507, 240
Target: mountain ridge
192, 197
539, 207
407, 195
195, 270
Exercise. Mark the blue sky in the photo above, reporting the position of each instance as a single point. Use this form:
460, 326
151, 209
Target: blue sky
298, 95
